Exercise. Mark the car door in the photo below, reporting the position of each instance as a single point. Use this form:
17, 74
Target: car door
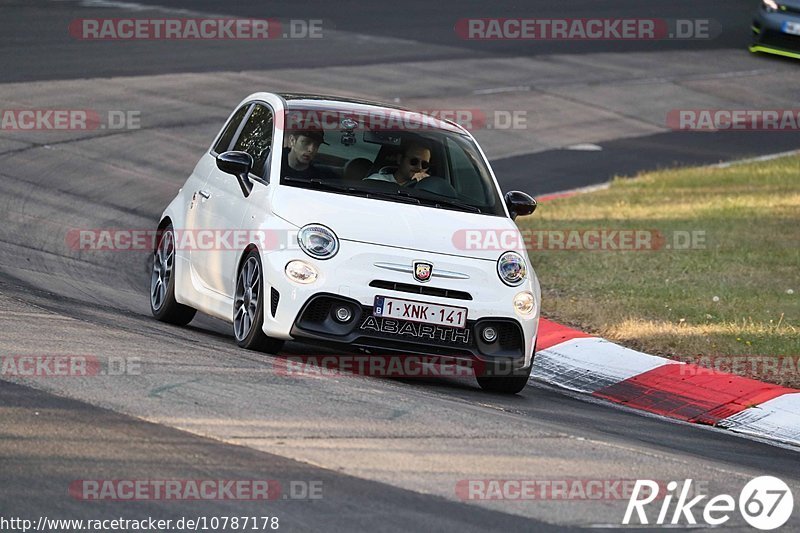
199, 213
222, 205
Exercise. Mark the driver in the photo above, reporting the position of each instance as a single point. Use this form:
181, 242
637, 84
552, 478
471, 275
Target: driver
412, 165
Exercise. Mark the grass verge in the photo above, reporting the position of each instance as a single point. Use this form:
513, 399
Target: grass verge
714, 279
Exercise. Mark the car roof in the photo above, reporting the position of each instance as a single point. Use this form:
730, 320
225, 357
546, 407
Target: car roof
292, 98
306, 101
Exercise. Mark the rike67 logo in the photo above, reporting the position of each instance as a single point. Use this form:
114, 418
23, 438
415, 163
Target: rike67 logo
765, 503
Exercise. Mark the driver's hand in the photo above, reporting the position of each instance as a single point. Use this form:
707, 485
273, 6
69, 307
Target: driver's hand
419, 176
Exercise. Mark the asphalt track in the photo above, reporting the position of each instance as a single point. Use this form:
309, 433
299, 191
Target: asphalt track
389, 452
48, 442
37, 46
44, 50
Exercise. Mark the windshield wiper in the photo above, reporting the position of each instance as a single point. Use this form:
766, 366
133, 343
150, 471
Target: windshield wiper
322, 184
333, 186
442, 202
399, 195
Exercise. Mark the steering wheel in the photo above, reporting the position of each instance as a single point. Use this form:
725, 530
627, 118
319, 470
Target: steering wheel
435, 185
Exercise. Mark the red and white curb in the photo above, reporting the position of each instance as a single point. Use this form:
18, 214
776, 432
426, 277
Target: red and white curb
573, 360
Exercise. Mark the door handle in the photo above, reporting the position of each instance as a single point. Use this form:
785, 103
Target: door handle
204, 194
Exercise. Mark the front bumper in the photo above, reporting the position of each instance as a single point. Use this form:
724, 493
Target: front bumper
769, 35
317, 323
352, 278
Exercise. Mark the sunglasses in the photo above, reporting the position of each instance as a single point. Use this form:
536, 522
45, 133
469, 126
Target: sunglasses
424, 165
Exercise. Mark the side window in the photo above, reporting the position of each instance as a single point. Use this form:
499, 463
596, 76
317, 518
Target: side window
224, 143
256, 137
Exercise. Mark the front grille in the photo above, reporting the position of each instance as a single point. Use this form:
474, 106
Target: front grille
318, 310
781, 40
510, 339
316, 317
275, 298
789, 9
509, 336
420, 289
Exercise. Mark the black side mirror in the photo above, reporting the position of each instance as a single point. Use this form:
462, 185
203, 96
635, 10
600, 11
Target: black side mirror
519, 204
238, 164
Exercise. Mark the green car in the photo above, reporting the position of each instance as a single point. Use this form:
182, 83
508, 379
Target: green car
776, 28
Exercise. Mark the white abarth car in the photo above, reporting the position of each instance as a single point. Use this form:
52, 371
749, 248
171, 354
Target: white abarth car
355, 225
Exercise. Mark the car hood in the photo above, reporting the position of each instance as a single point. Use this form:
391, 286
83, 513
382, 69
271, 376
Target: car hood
398, 225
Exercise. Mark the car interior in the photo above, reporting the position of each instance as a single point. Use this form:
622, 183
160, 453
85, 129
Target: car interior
351, 158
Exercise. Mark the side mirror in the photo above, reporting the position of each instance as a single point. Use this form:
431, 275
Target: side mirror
519, 204
239, 165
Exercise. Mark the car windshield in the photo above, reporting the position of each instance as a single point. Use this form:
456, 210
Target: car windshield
412, 162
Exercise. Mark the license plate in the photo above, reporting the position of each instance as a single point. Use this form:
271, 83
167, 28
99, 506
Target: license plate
440, 315
790, 27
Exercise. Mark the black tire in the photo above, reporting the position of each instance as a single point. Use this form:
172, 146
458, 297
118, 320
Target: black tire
247, 330
506, 384
162, 283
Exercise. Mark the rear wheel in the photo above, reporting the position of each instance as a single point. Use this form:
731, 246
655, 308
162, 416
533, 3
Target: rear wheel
162, 283
248, 308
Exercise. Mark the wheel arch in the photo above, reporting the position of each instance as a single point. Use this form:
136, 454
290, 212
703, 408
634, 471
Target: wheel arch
245, 252
247, 249
165, 221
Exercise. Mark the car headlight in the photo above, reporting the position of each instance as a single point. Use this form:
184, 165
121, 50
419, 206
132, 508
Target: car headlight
318, 241
770, 5
524, 304
301, 272
511, 268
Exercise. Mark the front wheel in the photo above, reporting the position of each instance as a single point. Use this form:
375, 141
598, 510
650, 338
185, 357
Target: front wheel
248, 308
506, 384
163, 304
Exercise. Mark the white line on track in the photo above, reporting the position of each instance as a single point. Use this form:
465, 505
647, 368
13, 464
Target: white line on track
498, 90
134, 6
768, 157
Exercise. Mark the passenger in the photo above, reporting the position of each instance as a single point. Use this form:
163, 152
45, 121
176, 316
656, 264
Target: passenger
298, 156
